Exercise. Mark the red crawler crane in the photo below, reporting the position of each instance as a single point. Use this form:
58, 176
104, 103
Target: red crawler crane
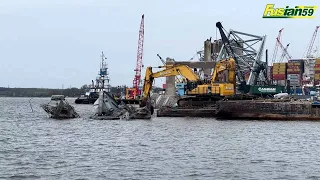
278, 39
284, 49
131, 93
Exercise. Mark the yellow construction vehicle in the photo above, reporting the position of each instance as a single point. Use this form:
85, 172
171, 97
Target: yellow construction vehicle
198, 91
222, 82
168, 71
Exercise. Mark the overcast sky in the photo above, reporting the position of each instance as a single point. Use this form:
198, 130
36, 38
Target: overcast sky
47, 43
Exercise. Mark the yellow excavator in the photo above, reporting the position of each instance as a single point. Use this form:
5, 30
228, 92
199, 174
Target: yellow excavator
197, 91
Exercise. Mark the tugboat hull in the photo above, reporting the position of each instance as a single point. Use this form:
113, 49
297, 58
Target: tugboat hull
85, 101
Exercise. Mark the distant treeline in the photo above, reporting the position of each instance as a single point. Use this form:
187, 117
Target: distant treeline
43, 92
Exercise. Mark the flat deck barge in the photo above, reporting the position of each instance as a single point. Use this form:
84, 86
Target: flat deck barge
250, 110
186, 112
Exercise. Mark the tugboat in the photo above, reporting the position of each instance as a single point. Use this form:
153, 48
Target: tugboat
89, 98
102, 84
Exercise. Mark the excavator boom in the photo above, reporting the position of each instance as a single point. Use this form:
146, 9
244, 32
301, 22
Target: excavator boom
169, 71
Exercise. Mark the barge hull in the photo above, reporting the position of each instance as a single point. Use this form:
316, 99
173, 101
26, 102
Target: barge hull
199, 112
255, 116
267, 110
249, 110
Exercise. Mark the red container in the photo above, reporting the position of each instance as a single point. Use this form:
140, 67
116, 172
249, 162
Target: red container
317, 65
278, 76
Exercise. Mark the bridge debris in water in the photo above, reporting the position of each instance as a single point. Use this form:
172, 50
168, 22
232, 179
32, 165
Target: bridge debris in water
107, 108
59, 108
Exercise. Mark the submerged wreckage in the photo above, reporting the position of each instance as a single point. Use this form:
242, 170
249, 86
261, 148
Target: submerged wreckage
107, 108
59, 108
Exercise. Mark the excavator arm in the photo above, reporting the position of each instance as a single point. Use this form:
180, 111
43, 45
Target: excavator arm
182, 70
231, 54
225, 65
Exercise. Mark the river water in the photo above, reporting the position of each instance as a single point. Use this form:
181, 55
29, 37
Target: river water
32, 146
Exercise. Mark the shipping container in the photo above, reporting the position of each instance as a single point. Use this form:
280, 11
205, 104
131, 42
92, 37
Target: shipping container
293, 76
317, 65
317, 72
279, 64
279, 71
295, 61
257, 90
180, 85
280, 82
279, 67
297, 90
317, 82
295, 84
294, 71
294, 81
294, 66
279, 76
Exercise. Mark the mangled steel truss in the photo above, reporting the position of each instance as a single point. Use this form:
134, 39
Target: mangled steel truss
248, 51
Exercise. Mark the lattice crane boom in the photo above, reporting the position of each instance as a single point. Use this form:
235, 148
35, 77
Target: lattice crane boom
310, 46
275, 51
284, 50
283, 53
139, 65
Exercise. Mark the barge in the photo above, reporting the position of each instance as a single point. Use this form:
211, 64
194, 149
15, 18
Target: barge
186, 112
268, 109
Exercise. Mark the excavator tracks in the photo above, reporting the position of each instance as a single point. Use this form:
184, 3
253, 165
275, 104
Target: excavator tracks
211, 100
198, 101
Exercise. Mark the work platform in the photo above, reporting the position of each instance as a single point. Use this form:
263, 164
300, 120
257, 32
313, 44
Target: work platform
250, 110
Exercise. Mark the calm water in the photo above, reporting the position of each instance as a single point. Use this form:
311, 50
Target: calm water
32, 146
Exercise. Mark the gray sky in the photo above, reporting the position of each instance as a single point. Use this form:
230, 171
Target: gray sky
47, 43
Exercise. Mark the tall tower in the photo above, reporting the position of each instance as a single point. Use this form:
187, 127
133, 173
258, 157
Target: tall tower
104, 74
